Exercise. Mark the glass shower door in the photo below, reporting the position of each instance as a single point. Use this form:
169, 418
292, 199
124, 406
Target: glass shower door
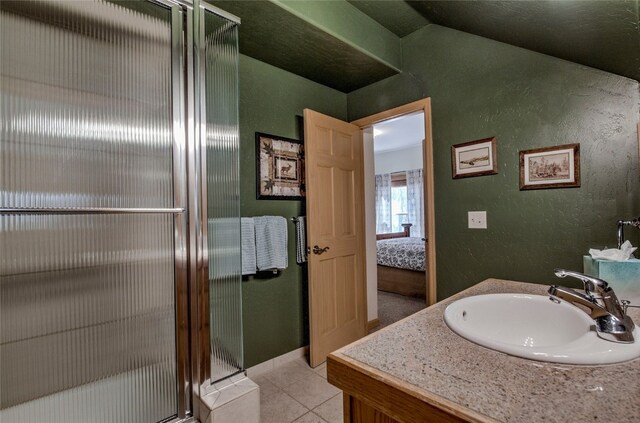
92, 213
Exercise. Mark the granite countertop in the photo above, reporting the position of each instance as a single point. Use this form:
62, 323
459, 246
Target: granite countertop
422, 351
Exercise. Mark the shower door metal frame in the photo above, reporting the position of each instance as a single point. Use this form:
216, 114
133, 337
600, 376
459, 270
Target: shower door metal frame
192, 268
178, 75
198, 259
181, 12
190, 182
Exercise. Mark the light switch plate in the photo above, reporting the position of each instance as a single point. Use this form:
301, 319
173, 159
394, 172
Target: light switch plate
477, 220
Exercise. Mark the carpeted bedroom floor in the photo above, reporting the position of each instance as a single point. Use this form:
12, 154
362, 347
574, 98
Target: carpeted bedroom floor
394, 307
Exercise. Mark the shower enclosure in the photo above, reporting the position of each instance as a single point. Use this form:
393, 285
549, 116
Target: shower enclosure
119, 209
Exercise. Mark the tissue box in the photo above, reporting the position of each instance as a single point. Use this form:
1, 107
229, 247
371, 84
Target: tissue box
623, 276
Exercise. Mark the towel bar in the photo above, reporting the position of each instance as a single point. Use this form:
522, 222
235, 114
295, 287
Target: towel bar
90, 210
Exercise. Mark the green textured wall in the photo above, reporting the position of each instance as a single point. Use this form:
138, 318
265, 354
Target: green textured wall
271, 101
481, 88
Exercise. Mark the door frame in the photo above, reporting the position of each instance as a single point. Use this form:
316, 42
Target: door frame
423, 106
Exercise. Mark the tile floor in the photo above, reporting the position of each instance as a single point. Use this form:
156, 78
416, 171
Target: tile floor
294, 392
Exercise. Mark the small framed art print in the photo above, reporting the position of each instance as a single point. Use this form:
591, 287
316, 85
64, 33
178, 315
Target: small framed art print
474, 158
279, 168
550, 167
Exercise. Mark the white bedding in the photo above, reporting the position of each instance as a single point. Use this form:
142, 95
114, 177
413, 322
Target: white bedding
403, 253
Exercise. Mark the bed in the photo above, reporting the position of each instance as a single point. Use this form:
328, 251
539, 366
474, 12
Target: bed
401, 264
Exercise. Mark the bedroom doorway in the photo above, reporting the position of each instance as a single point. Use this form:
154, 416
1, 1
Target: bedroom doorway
399, 211
398, 177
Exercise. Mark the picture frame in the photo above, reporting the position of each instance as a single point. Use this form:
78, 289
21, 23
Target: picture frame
550, 167
474, 158
279, 168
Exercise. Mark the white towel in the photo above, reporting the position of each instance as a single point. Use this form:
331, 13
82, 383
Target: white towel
248, 246
301, 239
271, 242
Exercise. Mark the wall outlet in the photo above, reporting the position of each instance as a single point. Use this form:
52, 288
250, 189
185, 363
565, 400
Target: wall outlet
477, 219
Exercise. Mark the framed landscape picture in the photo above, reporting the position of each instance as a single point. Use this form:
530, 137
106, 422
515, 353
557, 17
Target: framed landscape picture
279, 168
550, 167
474, 158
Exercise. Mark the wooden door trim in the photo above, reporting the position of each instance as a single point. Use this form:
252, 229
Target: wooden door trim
424, 106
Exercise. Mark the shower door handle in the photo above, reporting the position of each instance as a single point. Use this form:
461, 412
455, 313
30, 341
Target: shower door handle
317, 250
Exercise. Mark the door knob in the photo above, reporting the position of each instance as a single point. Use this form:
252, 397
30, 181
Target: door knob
318, 250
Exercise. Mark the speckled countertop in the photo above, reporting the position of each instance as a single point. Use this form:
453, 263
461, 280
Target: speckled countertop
422, 351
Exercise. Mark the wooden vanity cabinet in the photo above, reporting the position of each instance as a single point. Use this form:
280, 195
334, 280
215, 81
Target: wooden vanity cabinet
371, 397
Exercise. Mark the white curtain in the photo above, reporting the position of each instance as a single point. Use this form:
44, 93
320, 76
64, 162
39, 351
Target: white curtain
415, 201
383, 203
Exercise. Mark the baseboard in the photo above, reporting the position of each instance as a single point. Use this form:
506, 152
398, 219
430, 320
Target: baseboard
372, 324
267, 366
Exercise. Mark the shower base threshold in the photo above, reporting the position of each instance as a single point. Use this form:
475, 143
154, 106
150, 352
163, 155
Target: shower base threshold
234, 399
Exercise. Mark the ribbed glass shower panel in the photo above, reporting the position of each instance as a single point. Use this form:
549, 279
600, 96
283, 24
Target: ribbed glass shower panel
87, 301
87, 318
223, 195
85, 106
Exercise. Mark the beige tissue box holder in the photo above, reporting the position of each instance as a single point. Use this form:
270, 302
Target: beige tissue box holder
623, 276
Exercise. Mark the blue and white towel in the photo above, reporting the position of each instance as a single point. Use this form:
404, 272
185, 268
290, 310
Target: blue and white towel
301, 239
248, 242
271, 242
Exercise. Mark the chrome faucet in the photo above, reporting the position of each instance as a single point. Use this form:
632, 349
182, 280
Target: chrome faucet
621, 223
608, 313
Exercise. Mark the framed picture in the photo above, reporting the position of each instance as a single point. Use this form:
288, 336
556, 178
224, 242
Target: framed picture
279, 168
474, 158
550, 167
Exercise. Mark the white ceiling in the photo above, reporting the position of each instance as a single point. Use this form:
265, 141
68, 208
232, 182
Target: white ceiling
402, 132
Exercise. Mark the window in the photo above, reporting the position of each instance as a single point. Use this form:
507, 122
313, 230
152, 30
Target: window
398, 201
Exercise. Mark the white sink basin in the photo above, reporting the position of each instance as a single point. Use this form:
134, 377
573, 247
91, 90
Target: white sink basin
533, 327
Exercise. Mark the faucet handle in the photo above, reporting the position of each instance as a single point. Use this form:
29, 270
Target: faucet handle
591, 284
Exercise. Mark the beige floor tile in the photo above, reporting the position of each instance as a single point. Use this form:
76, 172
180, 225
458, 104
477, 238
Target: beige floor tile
289, 373
321, 370
331, 411
244, 409
303, 361
311, 391
275, 405
267, 388
310, 418
262, 380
